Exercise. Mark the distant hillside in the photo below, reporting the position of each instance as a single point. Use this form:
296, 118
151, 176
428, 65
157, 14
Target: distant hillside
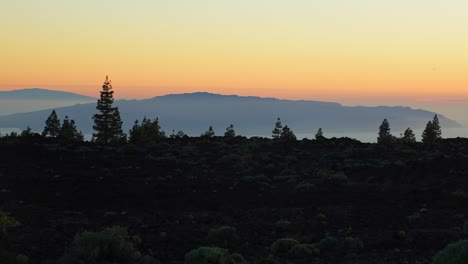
194, 113
35, 99
41, 94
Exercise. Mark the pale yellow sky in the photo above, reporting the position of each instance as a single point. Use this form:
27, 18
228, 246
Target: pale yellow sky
301, 49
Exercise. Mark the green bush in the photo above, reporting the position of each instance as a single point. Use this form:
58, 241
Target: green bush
22, 259
453, 253
201, 255
7, 257
238, 259
112, 245
7, 221
223, 236
340, 245
305, 187
304, 251
337, 178
352, 244
465, 226
282, 224
282, 246
329, 244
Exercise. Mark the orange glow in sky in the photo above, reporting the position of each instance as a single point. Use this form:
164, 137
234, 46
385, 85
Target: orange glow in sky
348, 51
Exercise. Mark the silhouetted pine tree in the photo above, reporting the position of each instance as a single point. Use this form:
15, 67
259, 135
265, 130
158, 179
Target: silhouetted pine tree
135, 133
319, 134
287, 134
148, 131
52, 127
107, 123
276, 133
384, 133
436, 127
69, 131
210, 133
408, 136
178, 134
27, 132
230, 133
432, 132
428, 135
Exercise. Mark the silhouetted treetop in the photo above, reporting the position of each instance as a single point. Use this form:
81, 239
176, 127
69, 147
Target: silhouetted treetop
384, 133
319, 134
408, 136
287, 134
69, 132
210, 133
148, 131
52, 127
432, 132
107, 123
230, 133
277, 130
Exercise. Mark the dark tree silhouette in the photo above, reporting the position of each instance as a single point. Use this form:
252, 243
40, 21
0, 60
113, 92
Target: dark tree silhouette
287, 134
69, 131
52, 127
178, 134
436, 127
107, 123
210, 133
384, 133
148, 131
408, 136
230, 133
432, 133
27, 132
276, 133
319, 134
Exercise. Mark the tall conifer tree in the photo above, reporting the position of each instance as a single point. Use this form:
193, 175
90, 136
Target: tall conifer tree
52, 127
277, 130
69, 131
384, 133
107, 123
230, 133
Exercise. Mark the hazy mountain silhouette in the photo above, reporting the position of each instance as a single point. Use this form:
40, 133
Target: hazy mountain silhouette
34, 99
41, 94
195, 112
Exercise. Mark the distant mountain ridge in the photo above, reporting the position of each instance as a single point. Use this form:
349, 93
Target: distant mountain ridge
41, 94
36, 99
193, 113
213, 96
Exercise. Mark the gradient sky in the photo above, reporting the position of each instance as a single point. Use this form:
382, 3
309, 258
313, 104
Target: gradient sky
357, 52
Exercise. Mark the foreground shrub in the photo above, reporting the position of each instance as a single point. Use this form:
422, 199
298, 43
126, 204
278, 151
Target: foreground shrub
201, 255
7, 221
282, 246
352, 244
304, 251
207, 255
345, 245
282, 224
329, 244
453, 253
112, 245
224, 236
22, 259
238, 259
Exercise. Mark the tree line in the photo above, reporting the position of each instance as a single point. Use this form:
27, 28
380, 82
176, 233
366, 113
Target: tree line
431, 134
108, 128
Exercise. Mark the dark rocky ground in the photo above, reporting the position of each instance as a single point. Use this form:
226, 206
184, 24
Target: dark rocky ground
404, 203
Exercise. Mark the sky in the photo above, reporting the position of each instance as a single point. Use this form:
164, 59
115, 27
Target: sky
399, 52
